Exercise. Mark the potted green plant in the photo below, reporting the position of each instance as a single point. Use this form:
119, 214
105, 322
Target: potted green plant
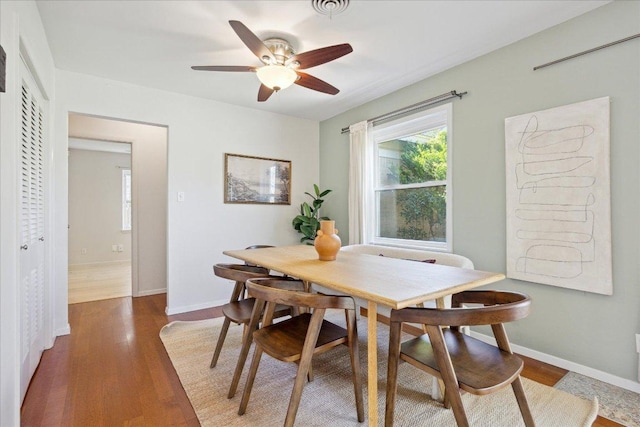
308, 221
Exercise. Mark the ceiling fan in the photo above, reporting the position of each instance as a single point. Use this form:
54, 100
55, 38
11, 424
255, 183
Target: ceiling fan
281, 64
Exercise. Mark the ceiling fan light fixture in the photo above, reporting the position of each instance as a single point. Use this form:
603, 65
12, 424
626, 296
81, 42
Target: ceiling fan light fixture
276, 77
281, 63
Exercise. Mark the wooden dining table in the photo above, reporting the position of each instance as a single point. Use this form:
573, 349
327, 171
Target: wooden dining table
392, 282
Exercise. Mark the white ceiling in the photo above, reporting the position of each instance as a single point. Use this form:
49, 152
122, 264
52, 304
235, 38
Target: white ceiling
395, 43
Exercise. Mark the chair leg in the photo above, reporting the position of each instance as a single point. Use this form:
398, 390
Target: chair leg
247, 340
245, 331
309, 374
255, 362
296, 311
445, 399
438, 386
455, 401
518, 390
451, 389
392, 372
304, 365
296, 395
242, 358
221, 338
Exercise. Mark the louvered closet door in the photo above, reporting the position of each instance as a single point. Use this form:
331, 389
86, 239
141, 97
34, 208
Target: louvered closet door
32, 230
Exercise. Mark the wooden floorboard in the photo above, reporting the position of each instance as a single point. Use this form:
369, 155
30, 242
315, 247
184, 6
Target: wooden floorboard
113, 370
98, 281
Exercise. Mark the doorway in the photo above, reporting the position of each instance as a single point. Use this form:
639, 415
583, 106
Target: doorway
117, 208
99, 220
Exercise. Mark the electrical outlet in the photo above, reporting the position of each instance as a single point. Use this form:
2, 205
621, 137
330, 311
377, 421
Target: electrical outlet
114, 248
83, 251
120, 247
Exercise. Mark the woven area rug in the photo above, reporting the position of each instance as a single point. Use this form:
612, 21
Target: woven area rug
329, 399
617, 404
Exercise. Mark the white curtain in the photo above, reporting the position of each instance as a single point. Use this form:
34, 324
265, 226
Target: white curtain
360, 181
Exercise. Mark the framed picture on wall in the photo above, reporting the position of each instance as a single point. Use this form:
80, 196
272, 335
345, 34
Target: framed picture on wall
558, 196
260, 180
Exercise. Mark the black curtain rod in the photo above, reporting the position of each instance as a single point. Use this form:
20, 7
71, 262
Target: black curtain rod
412, 108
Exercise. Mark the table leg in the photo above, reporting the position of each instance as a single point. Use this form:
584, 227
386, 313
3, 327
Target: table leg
307, 288
424, 327
437, 387
306, 285
372, 362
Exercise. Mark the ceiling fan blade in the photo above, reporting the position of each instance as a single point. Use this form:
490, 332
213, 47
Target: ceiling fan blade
264, 93
315, 83
320, 56
251, 40
239, 68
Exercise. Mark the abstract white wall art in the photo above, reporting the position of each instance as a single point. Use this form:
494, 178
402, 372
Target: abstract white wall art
558, 197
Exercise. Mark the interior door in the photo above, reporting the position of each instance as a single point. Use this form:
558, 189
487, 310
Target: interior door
32, 230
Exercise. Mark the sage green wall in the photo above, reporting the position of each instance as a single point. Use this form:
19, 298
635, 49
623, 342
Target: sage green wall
592, 330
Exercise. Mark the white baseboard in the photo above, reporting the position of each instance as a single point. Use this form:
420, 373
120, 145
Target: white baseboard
152, 292
184, 309
566, 364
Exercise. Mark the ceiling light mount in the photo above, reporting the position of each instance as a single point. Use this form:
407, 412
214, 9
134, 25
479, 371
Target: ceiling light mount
280, 48
329, 7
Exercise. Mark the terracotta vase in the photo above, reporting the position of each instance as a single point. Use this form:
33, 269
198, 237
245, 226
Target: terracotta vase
327, 242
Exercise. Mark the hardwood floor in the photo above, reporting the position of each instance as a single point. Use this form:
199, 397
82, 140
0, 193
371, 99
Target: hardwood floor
113, 370
94, 282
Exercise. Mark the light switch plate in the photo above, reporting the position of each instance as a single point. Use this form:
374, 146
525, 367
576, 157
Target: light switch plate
181, 196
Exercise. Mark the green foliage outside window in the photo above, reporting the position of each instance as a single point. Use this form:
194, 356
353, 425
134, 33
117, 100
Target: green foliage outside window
423, 210
420, 162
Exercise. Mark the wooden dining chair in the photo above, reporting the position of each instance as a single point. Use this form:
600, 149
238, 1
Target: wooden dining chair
462, 362
285, 283
238, 309
298, 339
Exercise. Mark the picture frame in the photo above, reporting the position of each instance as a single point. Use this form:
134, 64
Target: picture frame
256, 180
558, 196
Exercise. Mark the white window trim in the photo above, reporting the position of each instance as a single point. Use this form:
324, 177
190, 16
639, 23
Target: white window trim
126, 222
404, 127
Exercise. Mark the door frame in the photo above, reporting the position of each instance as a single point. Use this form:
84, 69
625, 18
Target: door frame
132, 234
135, 220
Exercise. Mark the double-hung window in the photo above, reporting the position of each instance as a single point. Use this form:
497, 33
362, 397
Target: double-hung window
412, 181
